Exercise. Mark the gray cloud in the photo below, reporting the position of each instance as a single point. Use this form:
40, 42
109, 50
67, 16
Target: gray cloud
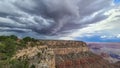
50, 17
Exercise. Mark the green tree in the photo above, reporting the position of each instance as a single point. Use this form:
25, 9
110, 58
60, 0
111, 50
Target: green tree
10, 46
2, 38
27, 39
19, 64
2, 47
13, 37
3, 55
33, 66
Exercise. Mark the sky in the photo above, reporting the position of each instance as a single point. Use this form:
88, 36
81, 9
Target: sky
84, 20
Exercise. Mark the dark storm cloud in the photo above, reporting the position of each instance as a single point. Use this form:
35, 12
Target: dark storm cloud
12, 30
50, 17
61, 11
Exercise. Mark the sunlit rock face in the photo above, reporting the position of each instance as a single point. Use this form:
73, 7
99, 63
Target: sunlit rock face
38, 56
61, 54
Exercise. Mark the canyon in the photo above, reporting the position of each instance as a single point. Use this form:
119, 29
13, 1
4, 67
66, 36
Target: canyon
61, 54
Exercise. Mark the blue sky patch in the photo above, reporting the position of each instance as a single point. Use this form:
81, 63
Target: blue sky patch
117, 1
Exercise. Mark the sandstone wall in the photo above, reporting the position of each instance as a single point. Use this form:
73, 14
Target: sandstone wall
62, 43
39, 56
70, 50
83, 62
62, 54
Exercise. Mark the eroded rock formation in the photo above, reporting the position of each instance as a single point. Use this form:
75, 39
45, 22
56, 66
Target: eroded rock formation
62, 54
38, 56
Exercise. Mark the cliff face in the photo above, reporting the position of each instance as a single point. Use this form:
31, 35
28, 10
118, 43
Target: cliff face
38, 56
61, 54
117, 64
81, 60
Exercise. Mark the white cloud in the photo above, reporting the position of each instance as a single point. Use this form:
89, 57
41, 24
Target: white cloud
27, 4
103, 36
107, 28
118, 36
9, 21
6, 6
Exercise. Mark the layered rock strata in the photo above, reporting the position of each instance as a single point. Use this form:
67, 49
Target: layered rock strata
62, 54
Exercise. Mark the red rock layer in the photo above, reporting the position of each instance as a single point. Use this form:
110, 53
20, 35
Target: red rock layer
87, 61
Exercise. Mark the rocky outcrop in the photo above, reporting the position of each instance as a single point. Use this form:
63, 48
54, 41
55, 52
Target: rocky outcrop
81, 60
62, 54
64, 51
62, 43
38, 56
65, 47
117, 64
